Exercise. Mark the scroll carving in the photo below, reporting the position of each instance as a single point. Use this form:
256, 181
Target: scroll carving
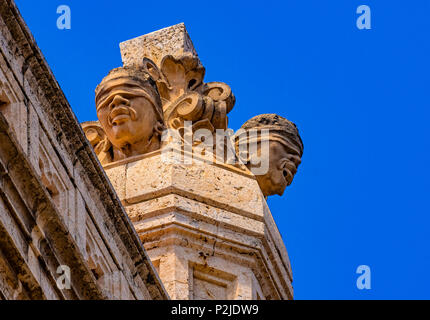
98, 140
180, 95
186, 97
136, 103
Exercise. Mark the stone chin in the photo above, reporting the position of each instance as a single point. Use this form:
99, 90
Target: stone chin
272, 184
280, 189
119, 134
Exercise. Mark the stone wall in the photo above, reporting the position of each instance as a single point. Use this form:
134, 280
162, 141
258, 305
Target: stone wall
205, 224
57, 207
206, 227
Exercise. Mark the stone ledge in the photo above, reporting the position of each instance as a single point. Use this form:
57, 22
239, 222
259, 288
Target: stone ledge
40, 87
195, 210
205, 247
210, 208
214, 184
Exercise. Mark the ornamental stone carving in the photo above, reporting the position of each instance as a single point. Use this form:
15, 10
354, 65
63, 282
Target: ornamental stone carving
194, 190
161, 86
130, 115
284, 152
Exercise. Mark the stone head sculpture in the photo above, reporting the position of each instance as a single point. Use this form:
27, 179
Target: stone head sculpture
283, 155
130, 115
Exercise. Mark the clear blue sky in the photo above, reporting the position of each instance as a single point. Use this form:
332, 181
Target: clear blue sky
361, 99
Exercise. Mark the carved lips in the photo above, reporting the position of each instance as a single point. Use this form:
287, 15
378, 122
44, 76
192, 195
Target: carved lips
119, 115
289, 169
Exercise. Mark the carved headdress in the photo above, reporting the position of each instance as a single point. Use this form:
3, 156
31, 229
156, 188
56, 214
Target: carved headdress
138, 83
281, 154
128, 82
280, 129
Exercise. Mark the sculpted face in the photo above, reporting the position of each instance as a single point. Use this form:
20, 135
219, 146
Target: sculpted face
283, 166
127, 116
279, 150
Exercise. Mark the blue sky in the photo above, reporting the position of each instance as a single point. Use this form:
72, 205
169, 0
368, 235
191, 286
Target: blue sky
360, 98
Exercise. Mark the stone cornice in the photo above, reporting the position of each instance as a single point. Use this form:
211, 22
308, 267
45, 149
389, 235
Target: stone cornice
70, 136
60, 246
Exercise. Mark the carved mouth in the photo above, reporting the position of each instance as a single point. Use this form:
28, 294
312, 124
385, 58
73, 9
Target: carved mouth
289, 172
287, 176
119, 115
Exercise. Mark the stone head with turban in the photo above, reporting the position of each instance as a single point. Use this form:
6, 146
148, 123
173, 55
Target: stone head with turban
130, 112
282, 155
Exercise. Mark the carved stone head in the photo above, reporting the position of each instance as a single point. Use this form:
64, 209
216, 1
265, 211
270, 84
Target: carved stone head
130, 114
284, 152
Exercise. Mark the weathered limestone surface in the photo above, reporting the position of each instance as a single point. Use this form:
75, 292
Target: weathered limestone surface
57, 206
173, 40
132, 114
206, 227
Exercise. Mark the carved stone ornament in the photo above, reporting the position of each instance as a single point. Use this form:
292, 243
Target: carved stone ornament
137, 102
285, 149
186, 97
130, 115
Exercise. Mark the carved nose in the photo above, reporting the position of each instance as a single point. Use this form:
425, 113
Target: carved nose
118, 101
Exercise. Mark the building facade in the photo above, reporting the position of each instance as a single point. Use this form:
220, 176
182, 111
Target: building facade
89, 211
57, 207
